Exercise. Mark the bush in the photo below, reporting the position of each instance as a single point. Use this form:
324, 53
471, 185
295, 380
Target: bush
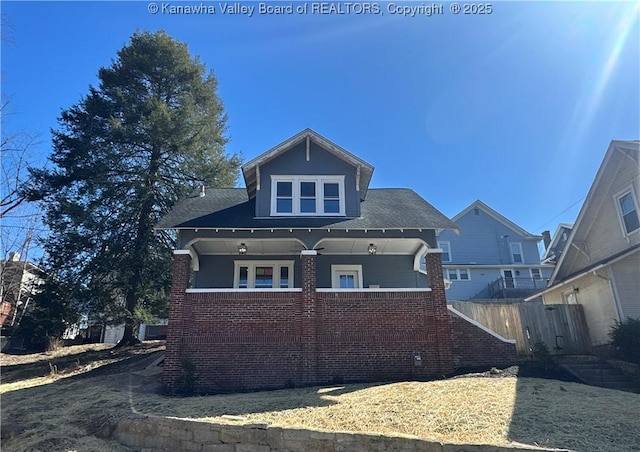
626, 339
185, 384
542, 357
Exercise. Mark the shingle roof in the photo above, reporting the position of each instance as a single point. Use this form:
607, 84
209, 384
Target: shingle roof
384, 208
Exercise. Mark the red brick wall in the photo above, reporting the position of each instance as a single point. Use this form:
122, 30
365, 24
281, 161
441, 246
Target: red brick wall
474, 347
251, 340
372, 336
175, 328
244, 340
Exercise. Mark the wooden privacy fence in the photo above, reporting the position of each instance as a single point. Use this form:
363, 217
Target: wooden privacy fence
561, 327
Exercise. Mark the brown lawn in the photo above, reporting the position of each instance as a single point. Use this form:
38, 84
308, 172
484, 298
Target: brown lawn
74, 400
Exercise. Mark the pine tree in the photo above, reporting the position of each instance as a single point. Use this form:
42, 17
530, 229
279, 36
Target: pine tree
151, 131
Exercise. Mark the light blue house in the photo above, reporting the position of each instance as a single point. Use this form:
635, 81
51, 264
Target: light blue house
491, 257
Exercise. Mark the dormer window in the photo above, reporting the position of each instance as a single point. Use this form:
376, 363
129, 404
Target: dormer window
284, 197
307, 195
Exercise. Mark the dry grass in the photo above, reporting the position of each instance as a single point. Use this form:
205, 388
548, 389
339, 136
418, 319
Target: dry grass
79, 412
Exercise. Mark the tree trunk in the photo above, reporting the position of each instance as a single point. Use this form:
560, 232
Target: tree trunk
144, 235
129, 337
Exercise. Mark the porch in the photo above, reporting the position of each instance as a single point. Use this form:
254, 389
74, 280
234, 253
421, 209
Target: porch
515, 287
267, 338
275, 337
261, 261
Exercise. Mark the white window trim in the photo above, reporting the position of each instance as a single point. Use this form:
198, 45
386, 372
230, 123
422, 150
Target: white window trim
251, 277
337, 270
519, 245
627, 190
319, 181
457, 270
533, 277
448, 245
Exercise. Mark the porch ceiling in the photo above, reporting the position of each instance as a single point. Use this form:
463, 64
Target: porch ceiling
254, 246
328, 246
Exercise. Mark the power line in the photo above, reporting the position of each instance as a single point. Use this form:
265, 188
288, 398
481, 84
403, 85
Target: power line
568, 208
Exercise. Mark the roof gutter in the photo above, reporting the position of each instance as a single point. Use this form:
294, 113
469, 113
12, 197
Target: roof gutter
581, 274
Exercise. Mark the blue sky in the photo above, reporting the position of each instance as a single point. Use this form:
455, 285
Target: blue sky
515, 108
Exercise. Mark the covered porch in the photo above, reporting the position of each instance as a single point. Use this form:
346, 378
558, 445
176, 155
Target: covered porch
348, 260
306, 334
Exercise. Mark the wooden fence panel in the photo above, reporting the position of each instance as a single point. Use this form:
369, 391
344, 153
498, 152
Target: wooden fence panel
561, 327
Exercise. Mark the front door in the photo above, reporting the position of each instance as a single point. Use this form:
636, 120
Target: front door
348, 280
509, 280
346, 276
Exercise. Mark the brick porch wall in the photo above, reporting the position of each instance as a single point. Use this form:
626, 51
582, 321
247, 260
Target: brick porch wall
474, 347
254, 340
373, 335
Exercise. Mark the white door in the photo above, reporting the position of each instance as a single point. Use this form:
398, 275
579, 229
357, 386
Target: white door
346, 276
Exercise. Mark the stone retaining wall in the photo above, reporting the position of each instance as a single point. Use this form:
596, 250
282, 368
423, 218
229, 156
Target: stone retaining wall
159, 434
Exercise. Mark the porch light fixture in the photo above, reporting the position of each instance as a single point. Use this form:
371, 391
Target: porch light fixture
242, 248
372, 249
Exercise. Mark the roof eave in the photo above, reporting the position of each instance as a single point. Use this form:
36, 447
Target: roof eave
249, 169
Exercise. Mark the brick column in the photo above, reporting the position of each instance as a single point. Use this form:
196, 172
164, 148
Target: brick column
308, 317
180, 282
441, 313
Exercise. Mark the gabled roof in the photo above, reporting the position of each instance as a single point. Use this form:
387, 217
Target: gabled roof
250, 169
231, 208
626, 149
496, 216
551, 251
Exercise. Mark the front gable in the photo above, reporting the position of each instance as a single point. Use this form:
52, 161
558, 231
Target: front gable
600, 232
307, 176
486, 237
558, 243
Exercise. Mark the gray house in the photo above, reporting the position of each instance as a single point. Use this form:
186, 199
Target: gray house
554, 246
599, 267
490, 257
306, 194
307, 275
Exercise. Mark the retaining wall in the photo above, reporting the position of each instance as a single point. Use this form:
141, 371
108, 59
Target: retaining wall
159, 434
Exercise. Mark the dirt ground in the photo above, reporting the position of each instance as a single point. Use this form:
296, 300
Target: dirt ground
73, 400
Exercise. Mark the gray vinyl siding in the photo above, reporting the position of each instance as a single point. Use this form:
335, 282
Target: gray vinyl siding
627, 285
294, 163
600, 234
385, 271
484, 240
216, 272
480, 279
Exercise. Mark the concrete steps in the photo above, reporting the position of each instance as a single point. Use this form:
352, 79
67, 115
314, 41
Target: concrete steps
597, 372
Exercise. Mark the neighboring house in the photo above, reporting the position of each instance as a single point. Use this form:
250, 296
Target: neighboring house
600, 265
556, 245
490, 257
19, 282
307, 276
